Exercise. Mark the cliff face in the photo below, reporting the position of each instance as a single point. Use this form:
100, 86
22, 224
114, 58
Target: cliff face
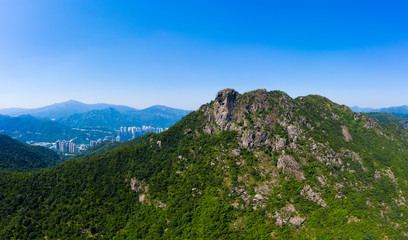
232, 111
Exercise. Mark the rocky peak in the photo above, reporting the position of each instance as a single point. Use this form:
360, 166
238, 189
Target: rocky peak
250, 114
224, 106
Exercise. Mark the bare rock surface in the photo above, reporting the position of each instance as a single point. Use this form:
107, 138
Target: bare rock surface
290, 166
309, 194
346, 133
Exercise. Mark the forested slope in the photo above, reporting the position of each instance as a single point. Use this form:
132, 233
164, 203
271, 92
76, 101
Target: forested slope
16, 156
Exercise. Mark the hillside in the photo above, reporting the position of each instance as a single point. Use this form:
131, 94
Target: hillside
16, 156
258, 165
388, 117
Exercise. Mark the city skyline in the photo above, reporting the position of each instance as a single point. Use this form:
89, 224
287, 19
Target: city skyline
181, 54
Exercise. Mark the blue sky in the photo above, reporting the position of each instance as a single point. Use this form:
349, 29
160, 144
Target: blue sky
181, 53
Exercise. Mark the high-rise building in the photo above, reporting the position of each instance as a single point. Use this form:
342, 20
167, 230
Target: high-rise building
71, 147
57, 145
62, 146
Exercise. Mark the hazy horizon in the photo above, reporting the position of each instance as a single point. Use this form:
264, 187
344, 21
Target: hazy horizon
181, 54
27, 108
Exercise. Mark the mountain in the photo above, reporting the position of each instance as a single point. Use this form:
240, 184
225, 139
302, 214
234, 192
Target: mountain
398, 110
28, 128
16, 156
62, 110
96, 119
110, 118
258, 165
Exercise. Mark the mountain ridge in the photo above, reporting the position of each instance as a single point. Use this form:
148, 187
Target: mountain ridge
396, 109
28, 128
110, 118
70, 107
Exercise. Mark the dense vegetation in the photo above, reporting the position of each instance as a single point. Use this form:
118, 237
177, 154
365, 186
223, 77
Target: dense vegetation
253, 166
16, 156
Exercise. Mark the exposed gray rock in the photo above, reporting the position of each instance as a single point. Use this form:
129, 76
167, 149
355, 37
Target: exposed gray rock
293, 132
280, 220
265, 189
236, 152
248, 139
224, 107
322, 180
296, 220
290, 166
289, 209
138, 186
208, 130
334, 116
279, 144
257, 198
346, 133
309, 194
288, 214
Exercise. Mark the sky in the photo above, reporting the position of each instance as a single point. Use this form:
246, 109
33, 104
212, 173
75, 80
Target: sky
181, 53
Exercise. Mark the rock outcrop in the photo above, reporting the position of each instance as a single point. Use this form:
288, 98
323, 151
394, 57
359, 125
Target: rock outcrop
309, 194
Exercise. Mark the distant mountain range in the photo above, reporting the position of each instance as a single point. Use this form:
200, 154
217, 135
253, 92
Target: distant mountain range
76, 120
28, 128
398, 109
111, 118
62, 110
